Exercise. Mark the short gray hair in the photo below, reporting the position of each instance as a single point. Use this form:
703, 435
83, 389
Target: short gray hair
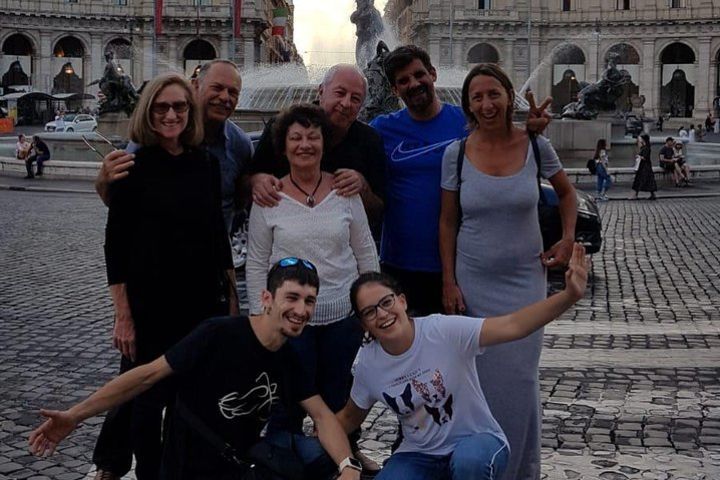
330, 74
205, 68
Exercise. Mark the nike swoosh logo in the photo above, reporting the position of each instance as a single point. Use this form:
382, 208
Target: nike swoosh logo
400, 155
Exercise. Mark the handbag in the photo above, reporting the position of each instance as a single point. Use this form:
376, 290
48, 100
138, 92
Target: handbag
638, 159
262, 461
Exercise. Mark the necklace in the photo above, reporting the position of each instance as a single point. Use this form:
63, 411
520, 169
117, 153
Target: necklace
310, 200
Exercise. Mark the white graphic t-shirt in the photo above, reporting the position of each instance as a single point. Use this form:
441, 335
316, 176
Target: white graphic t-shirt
433, 387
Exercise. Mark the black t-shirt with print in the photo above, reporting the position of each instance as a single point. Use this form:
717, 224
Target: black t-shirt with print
230, 381
667, 152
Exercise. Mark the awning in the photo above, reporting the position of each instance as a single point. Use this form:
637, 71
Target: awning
47, 96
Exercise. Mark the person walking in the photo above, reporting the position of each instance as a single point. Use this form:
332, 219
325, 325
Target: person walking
644, 180
491, 248
602, 163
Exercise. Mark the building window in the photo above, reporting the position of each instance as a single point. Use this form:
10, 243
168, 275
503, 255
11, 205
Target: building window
623, 4
121, 2
566, 5
676, 3
201, 3
71, 1
484, 4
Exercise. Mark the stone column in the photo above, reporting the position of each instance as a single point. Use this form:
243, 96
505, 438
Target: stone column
148, 57
434, 50
95, 65
225, 46
648, 78
703, 94
592, 67
173, 55
44, 74
507, 61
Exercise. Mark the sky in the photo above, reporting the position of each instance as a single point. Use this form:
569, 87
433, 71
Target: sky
323, 32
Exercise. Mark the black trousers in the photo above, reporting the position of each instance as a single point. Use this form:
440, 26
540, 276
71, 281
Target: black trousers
423, 290
135, 428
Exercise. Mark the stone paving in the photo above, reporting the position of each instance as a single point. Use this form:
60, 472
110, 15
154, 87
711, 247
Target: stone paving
630, 378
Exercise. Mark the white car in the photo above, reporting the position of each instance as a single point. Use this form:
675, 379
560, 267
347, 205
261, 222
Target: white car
73, 122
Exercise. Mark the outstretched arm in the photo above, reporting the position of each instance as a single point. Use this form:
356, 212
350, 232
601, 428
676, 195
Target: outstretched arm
60, 424
525, 321
330, 433
351, 416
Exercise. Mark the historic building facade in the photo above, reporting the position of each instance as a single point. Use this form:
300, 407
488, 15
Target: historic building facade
59, 46
669, 48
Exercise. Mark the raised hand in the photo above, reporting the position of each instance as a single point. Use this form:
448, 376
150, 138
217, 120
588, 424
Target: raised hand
538, 117
44, 439
577, 272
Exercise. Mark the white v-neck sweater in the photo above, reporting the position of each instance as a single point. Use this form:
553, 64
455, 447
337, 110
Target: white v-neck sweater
334, 236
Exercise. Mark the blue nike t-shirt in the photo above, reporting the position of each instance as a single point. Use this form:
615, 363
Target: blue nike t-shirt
412, 206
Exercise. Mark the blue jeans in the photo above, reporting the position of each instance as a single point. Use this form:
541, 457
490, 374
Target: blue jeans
603, 179
482, 456
318, 464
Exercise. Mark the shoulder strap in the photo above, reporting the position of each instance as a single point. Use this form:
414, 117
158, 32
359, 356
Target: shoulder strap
458, 169
200, 427
538, 163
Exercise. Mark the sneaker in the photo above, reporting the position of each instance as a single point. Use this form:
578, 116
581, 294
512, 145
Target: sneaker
105, 475
604, 197
28, 177
369, 466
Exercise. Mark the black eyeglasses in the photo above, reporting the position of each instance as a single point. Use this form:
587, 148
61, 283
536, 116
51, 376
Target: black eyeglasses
162, 108
370, 312
292, 261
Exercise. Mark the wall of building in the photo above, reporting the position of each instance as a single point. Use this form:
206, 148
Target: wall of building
529, 36
96, 23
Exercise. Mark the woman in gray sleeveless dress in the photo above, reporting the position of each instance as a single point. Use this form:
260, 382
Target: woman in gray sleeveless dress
494, 262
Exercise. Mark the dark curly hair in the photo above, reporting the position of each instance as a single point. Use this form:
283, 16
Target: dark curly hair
403, 56
307, 115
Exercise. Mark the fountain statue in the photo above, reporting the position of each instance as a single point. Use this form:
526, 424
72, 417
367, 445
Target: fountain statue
380, 99
119, 94
369, 27
600, 96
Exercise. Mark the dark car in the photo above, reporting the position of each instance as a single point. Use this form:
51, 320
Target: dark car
587, 228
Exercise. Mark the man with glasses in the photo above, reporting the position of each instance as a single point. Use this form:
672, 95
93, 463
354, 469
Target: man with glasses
217, 87
231, 372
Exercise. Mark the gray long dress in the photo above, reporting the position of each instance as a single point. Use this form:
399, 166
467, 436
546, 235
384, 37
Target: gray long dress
498, 269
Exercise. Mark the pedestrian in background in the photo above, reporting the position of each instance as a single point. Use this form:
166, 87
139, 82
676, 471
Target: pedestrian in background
644, 180
604, 182
40, 154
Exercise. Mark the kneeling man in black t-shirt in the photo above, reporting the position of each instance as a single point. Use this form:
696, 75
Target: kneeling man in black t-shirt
230, 371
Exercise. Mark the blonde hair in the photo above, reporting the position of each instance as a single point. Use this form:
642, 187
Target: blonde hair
140, 128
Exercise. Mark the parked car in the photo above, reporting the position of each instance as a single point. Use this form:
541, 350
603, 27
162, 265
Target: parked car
588, 228
74, 122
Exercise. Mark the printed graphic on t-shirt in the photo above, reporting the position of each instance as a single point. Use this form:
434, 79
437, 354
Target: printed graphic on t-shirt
423, 402
258, 400
409, 150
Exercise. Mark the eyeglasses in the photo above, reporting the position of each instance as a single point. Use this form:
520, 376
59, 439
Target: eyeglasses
162, 108
370, 312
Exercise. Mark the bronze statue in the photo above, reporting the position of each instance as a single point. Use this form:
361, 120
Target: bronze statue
600, 96
119, 94
369, 26
380, 99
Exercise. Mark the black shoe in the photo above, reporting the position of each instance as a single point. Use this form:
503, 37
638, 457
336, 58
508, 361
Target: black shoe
28, 177
653, 197
38, 174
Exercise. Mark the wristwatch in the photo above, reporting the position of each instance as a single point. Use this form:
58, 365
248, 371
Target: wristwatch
350, 462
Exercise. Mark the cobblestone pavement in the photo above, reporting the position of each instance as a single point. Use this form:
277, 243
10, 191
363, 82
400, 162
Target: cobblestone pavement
630, 378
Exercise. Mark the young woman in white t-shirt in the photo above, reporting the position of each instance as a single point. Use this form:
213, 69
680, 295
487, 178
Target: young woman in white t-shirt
424, 370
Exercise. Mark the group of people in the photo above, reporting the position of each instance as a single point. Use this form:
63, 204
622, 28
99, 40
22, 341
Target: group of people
35, 152
450, 193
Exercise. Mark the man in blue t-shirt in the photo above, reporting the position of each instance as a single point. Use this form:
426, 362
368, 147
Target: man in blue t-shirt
415, 139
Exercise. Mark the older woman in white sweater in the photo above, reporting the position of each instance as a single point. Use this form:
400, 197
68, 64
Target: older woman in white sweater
312, 221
